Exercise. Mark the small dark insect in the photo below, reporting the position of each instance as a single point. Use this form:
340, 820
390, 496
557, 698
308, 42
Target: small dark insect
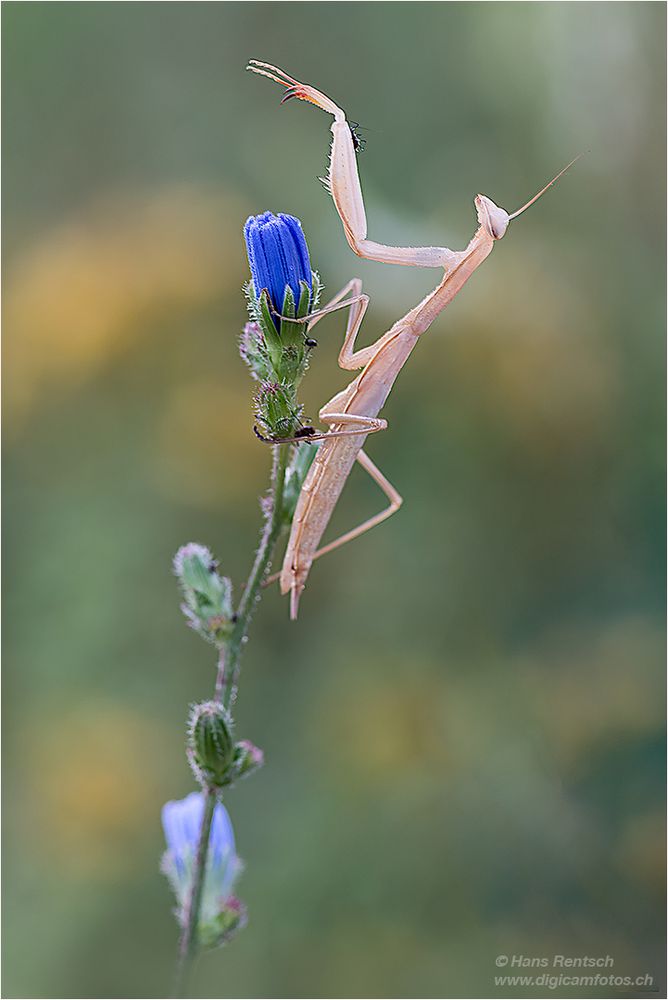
359, 142
213, 566
310, 342
257, 434
302, 432
235, 618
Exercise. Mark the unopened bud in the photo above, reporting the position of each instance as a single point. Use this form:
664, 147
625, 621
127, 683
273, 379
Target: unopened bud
253, 350
276, 411
207, 603
218, 931
247, 758
211, 749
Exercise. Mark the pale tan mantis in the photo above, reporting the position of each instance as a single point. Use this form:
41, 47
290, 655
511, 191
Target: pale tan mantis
352, 414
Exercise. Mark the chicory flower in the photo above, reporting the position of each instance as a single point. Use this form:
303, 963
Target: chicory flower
278, 256
282, 294
220, 912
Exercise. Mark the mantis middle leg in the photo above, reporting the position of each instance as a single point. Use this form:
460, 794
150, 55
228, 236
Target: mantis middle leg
358, 302
349, 360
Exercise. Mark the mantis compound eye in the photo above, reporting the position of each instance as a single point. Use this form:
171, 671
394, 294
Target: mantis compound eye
494, 219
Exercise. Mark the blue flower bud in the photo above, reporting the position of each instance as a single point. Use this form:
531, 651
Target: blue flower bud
182, 821
278, 257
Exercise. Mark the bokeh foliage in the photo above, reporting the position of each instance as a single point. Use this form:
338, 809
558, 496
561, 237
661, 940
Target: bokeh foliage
463, 731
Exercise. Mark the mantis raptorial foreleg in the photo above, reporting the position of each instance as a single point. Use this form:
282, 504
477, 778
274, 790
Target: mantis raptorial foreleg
344, 184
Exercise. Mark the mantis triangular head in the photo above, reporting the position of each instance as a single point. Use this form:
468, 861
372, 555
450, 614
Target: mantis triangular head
495, 219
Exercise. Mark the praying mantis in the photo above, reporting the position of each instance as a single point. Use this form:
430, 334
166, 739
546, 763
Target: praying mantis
352, 414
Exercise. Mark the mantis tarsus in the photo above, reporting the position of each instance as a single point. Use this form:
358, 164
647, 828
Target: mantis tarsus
352, 414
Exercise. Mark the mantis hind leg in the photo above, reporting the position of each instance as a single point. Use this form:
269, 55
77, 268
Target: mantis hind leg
395, 502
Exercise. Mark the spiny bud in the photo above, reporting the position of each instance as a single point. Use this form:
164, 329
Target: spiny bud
211, 750
232, 918
277, 413
253, 350
247, 758
207, 603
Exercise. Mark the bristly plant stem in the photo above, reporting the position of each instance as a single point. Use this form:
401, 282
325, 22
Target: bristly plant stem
270, 535
225, 692
188, 942
221, 676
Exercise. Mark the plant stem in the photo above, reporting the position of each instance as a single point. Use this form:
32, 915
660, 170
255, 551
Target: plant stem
221, 679
270, 535
188, 942
225, 692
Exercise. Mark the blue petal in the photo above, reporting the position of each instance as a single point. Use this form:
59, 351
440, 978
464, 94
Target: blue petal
278, 265
222, 834
301, 249
278, 255
181, 821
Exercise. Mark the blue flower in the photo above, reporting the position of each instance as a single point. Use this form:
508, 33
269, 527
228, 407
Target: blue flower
181, 822
278, 256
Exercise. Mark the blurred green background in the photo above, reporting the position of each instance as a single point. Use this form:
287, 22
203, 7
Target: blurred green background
464, 730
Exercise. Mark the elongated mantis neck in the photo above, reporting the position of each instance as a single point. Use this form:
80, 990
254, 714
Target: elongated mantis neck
454, 280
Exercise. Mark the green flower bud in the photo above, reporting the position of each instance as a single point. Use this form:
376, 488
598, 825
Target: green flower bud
247, 758
253, 350
207, 596
218, 931
278, 415
211, 749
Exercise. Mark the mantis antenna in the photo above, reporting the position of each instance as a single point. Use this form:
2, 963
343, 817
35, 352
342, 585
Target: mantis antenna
543, 190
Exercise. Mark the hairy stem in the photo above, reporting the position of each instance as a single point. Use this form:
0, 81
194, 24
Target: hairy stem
221, 676
188, 941
225, 692
270, 535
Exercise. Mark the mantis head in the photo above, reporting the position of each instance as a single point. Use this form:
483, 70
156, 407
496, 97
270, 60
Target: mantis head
492, 218
495, 220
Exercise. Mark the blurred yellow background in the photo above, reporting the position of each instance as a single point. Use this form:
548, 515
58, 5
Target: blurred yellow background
464, 730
